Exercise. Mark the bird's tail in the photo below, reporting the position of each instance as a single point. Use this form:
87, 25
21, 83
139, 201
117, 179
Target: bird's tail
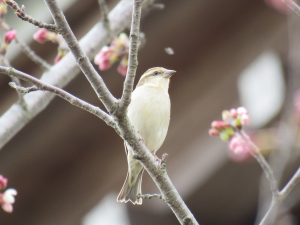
130, 193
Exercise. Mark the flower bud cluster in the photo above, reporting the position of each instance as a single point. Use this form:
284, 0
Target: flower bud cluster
233, 121
117, 50
43, 35
8, 197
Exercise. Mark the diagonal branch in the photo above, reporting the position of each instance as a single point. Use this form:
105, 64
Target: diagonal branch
104, 16
132, 59
39, 85
17, 116
82, 60
32, 55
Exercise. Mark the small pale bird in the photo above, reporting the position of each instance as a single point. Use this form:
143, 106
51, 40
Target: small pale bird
149, 113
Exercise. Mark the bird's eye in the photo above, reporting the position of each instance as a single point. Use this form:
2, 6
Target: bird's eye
155, 73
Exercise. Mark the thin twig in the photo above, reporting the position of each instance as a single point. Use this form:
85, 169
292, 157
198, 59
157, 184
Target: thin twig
82, 60
32, 55
27, 50
132, 58
104, 16
264, 165
5, 62
149, 196
21, 14
39, 85
277, 196
23, 90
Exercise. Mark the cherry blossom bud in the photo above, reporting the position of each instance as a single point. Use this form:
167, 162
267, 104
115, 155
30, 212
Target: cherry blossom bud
61, 54
120, 43
238, 145
213, 132
241, 110
225, 115
9, 36
3, 182
9, 196
122, 68
245, 119
41, 35
7, 199
104, 58
226, 134
233, 113
219, 124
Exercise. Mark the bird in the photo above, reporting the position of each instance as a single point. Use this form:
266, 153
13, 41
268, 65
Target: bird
149, 113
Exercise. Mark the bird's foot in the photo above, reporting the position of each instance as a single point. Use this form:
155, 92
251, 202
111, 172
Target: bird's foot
140, 137
158, 160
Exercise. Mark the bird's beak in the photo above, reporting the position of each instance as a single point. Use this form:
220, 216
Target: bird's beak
168, 73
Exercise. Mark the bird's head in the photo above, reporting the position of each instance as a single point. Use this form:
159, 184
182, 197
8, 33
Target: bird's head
157, 77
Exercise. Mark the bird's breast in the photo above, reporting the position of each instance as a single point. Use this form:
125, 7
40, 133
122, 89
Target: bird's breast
149, 113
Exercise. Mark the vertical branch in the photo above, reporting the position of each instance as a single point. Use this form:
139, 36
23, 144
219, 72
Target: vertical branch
82, 60
132, 59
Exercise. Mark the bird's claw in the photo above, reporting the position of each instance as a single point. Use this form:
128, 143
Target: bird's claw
158, 160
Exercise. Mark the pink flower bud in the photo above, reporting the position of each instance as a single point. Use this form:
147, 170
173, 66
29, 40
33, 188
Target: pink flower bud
60, 55
7, 199
41, 35
7, 207
238, 145
213, 132
245, 119
233, 113
241, 110
225, 115
122, 68
219, 124
9, 36
3, 182
104, 58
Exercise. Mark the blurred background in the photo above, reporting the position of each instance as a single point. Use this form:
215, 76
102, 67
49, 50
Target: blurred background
68, 166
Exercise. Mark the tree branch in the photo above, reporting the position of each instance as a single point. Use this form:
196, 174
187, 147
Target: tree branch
82, 60
158, 174
27, 50
21, 14
15, 118
132, 58
264, 165
32, 55
39, 85
277, 196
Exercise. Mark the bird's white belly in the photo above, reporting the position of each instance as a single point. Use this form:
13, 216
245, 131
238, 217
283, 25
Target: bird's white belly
149, 113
